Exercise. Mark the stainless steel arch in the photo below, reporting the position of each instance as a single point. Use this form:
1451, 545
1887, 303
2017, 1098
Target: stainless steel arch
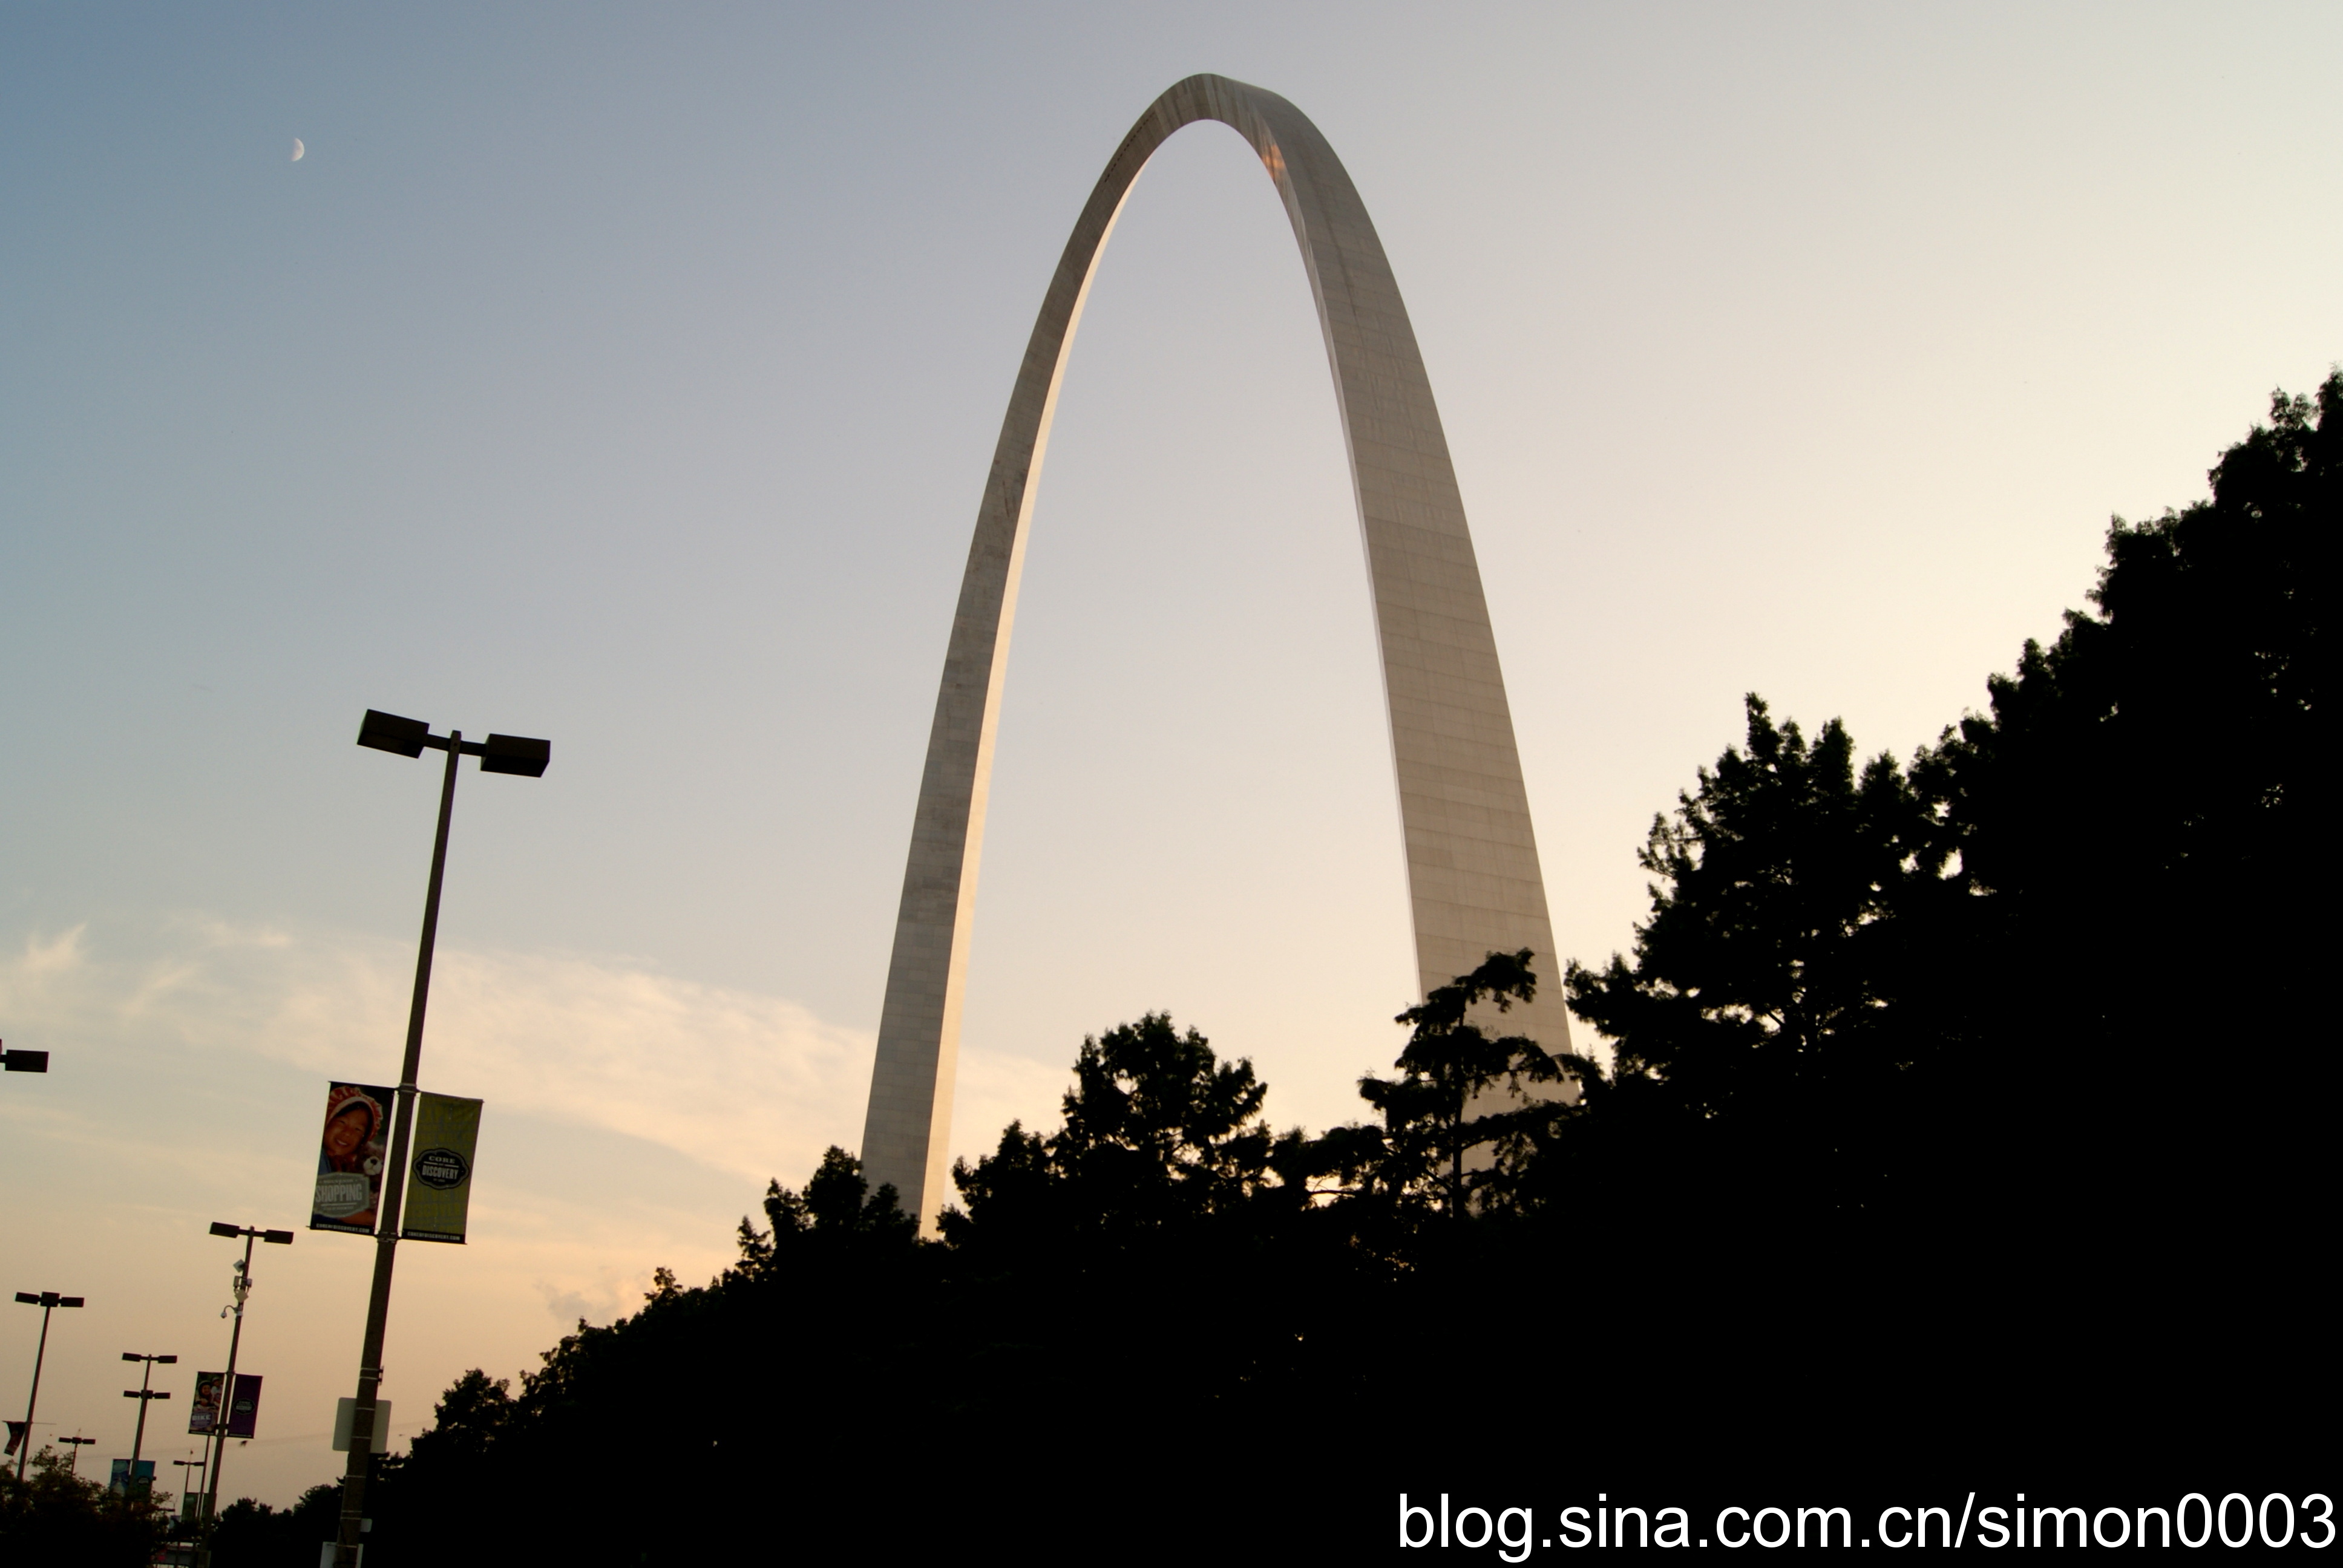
1472, 860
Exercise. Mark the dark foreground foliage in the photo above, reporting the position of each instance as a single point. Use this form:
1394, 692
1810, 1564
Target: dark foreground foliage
53, 1515
1960, 1121
249, 1534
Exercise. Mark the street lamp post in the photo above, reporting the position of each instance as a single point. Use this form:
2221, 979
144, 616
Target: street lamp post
187, 1495
512, 754
48, 1302
73, 1453
143, 1394
220, 1422
25, 1060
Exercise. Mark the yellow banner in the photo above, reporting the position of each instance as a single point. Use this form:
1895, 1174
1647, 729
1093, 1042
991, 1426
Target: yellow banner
439, 1178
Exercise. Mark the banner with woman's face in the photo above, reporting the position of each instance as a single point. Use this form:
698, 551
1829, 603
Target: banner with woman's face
203, 1411
244, 1409
350, 1159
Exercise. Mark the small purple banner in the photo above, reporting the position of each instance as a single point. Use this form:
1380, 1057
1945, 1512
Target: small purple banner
244, 1411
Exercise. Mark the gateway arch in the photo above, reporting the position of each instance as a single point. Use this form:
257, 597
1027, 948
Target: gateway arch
1472, 860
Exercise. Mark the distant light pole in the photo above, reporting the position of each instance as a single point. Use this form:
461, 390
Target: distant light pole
73, 1453
512, 754
243, 1288
48, 1302
188, 1483
143, 1392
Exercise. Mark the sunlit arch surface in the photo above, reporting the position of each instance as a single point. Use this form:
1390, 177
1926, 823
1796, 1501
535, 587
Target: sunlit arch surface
1472, 860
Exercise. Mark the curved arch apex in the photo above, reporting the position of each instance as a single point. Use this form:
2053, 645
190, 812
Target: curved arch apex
1474, 879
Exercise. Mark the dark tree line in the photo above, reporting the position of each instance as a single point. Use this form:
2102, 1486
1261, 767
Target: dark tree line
1973, 1100
2019, 1045
55, 1515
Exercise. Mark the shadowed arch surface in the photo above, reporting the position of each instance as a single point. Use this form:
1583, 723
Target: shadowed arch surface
1473, 882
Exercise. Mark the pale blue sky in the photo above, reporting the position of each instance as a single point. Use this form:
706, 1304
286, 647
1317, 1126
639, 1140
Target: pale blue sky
628, 376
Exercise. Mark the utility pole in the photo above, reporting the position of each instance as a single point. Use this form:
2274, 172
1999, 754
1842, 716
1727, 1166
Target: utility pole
227, 1416
144, 1393
48, 1302
498, 754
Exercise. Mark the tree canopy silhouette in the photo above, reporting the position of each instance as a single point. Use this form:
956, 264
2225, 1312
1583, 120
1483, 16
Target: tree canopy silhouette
54, 1515
2004, 1067
1764, 1024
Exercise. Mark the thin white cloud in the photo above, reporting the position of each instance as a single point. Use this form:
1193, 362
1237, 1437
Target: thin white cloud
747, 1083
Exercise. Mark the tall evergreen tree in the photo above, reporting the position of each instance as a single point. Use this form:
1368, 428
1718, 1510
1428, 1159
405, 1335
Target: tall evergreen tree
2139, 818
1760, 1046
1466, 1110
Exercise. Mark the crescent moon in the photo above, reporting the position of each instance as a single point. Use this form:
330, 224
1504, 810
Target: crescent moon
297, 149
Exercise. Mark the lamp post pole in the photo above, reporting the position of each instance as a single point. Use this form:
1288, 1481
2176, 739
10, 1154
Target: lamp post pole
497, 754
188, 1495
48, 1302
72, 1456
227, 1414
225, 1417
144, 1393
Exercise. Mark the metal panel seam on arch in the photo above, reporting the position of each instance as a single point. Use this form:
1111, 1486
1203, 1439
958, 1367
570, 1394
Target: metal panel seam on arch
1473, 881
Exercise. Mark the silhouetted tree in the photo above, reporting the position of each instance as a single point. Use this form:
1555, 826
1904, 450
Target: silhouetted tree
1761, 1034
53, 1515
2140, 822
2001, 1070
1157, 1132
250, 1534
2047, 998
1464, 1113
453, 1461
836, 1213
